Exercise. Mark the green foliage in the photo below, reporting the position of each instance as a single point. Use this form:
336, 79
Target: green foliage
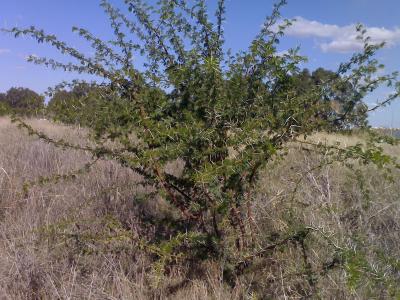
337, 92
4, 107
360, 272
23, 101
225, 115
77, 106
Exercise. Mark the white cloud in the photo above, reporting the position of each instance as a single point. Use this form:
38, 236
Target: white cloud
341, 46
4, 51
334, 38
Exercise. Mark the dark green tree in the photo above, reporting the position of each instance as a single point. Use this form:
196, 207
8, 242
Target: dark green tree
336, 91
24, 101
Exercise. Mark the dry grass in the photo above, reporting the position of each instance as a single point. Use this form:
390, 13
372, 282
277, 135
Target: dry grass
339, 203
78, 239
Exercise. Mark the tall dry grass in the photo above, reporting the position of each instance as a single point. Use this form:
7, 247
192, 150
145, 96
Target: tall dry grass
81, 238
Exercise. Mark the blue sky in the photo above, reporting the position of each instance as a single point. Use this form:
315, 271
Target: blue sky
324, 31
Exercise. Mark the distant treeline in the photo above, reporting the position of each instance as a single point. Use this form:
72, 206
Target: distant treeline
394, 132
22, 101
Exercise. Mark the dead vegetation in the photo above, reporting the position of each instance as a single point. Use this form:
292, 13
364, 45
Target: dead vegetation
86, 237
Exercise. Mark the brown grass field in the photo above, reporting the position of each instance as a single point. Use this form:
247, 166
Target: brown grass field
79, 238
